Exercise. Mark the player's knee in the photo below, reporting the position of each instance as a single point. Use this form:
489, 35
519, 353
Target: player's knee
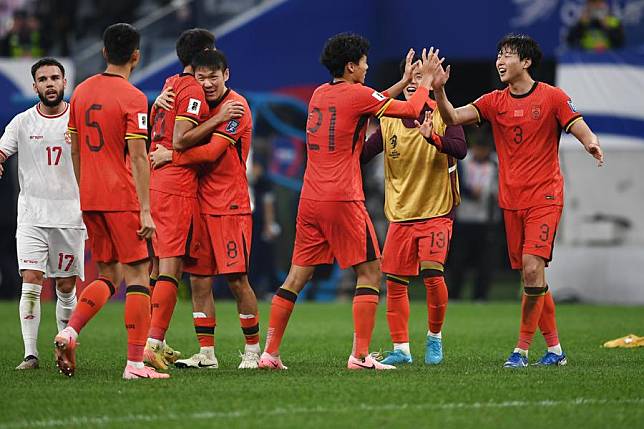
532, 272
297, 278
201, 287
32, 276
66, 285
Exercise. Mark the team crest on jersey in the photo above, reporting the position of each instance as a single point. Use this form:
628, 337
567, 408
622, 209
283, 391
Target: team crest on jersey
572, 106
193, 106
232, 126
68, 137
536, 111
393, 141
143, 121
378, 96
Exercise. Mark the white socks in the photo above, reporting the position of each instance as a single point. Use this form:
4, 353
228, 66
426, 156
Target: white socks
402, 346
64, 307
431, 334
521, 351
556, 349
137, 365
29, 310
209, 352
253, 348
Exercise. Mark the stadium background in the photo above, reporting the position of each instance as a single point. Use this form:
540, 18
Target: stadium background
273, 48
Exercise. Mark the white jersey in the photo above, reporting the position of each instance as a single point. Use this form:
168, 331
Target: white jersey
48, 190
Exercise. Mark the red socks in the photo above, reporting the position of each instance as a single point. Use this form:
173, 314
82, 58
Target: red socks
92, 299
548, 322
281, 309
205, 330
365, 304
137, 320
164, 300
250, 327
531, 309
436, 299
398, 309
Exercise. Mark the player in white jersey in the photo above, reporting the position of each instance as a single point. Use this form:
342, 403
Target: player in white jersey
51, 234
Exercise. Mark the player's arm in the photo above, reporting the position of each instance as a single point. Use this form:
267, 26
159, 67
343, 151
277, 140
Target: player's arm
186, 136
141, 175
209, 152
372, 147
75, 152
8, 142
584, 134
396, 89
452, 143
452, 116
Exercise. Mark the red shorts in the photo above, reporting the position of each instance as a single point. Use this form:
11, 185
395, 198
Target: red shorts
328, 229
221, 245
173, 216
531, 232
113, 237
409, 243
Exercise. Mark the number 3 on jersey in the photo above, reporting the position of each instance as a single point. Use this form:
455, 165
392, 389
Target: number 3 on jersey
316, 117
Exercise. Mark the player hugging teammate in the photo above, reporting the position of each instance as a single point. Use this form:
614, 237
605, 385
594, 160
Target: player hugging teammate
194, 204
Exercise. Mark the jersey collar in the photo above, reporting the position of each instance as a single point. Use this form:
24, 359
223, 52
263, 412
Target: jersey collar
213, 104
534, 86
44, 115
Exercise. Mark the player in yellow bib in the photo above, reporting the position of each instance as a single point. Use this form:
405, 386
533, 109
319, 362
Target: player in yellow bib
421, 192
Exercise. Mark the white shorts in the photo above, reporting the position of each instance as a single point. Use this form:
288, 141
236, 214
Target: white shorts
56, 252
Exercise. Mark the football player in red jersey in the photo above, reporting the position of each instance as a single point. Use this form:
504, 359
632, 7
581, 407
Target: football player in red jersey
526, 118
173, 193
222, 240
107, 119
332, 221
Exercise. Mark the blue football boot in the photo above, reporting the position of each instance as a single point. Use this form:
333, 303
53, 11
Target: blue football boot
434, 351
552, 359
516, 360
397, 357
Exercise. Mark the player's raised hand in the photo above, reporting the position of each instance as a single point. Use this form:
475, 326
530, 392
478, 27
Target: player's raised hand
427, 127
230, 110
596, 151
147, 225
410, 66
160, 157
441, 76
165, 100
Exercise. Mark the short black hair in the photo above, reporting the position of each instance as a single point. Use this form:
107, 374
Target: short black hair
47, 61
403, 63
120, 41
211, 59
525, 46
342, 49
193, 41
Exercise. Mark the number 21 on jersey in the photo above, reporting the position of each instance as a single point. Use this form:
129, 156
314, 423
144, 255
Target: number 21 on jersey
315, 121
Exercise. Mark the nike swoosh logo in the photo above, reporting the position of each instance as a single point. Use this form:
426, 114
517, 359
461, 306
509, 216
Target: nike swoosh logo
205, 366
230, 264
366, 367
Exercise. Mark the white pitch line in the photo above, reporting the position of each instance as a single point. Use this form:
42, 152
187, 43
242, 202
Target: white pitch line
205, 415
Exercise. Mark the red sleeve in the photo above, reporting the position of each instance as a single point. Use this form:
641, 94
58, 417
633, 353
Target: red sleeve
192, 105
484, 106
71, 125
369, 101
564, 109
137, 117
209, 152
233, 129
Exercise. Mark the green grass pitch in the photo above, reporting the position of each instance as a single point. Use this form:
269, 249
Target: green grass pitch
599, 388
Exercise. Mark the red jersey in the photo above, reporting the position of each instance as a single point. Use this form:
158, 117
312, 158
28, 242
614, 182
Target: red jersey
189, 105
105, 111
335, 134
526, 130
223, 188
